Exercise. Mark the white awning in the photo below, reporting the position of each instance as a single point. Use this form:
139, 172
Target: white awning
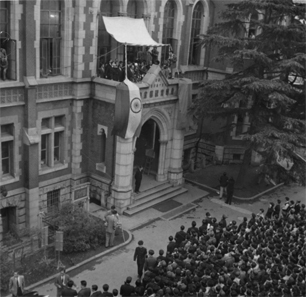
129, 31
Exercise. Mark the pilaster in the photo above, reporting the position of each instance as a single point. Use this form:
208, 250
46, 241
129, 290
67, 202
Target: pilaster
162, 172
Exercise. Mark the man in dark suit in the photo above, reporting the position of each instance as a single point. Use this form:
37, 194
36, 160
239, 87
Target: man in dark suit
171, 245
109, 70
151, 262
127, 289
180, 236
84, 292
68, 291
230, 190
61, 281
140, 255
95, 292
138, 178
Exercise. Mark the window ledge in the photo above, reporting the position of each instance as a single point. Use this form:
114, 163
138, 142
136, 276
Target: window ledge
11, 83
101, 167
56, 167
8, 179
53, 79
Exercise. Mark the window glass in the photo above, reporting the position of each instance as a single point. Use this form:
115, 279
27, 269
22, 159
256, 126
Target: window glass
44, 148
5, 155
57, 146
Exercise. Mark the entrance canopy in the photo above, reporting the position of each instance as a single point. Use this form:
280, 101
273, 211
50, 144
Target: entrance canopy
129, 31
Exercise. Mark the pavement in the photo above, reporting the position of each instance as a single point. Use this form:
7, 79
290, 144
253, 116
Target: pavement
155, 225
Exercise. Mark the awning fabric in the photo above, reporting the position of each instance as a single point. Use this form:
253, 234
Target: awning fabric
129, 31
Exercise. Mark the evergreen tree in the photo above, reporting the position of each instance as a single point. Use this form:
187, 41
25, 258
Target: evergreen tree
264, 42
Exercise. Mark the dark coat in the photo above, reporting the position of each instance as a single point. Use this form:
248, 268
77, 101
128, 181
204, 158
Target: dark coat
84, 292
230, 185
180, 236
138, 175
127, 290
96, 294
109, 71
69, 292
140, 254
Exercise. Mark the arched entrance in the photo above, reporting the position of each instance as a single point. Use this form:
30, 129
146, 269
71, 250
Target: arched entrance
147, 147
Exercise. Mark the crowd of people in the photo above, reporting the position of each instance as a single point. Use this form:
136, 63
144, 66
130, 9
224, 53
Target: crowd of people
136, 71
263, 256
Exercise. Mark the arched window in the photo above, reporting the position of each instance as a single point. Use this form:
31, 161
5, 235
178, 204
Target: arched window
50, 37
195, 49
168, 29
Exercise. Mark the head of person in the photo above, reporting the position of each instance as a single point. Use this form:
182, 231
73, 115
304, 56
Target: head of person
161, 252
94, 288
128, 280
83, 284
182, 228
151, 252
140, 243
70, 284
113, 207
115, 292
16, 274
194, 223
114, 212
62, 271
170, 238
105, 287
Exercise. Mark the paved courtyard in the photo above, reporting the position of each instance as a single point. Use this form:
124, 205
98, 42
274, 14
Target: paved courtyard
153, 228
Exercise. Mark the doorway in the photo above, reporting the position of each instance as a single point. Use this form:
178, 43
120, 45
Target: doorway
147, 147
8, 215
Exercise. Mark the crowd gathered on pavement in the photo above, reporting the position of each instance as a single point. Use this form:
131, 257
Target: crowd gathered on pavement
263, 256
136, 71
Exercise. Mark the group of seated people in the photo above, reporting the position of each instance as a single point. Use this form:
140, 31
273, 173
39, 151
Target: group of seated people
115, 70
263, 256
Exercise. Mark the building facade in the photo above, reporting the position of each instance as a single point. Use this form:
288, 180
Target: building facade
57, 114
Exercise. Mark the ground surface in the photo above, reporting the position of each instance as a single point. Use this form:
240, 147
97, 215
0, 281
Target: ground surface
211, 174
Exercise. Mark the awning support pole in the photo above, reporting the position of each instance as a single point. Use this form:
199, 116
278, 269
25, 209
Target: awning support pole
125, 48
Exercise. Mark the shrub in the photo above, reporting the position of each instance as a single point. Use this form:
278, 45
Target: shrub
82, 231
6, 270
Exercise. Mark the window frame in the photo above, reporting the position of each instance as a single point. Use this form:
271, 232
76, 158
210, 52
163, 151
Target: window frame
7, 138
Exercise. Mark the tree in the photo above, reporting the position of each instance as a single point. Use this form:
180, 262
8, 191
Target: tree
264, 42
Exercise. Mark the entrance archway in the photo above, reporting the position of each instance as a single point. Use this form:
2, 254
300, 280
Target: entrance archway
147, 147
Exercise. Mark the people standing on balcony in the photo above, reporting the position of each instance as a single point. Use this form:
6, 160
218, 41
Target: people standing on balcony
154, 54
3, 63
116, 72
109, 70
172, 62
122, 71
102, 71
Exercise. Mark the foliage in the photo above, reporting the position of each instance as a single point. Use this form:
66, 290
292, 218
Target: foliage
268, 80
6, 270
81, 230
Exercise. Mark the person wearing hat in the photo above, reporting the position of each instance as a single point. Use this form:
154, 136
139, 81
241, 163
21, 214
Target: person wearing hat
140, 256
127, 289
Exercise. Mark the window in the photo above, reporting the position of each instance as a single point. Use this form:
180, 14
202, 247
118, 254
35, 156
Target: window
7, 45
195, 49
53, 201
50, 37
7, 146
168, 29
52, 145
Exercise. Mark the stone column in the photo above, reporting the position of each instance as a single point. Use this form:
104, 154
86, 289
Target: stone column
185, 45
175, 173
161, 174
122, 188
77, 132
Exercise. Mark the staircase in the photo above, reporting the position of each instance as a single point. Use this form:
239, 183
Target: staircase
153, 196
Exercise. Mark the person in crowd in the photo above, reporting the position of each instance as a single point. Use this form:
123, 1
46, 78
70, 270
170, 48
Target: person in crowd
3, 63
68, 291
154, 54
121, 71
270, 210
115, 71
223, 184
277, 209
150, 262
109, 70
230, 190
84, 292
139, 288
180, 236
297, 207
286, 207
115, 292
105, 292
263, 170
127, 289
112, 223
95, 292
138, 179
261, 214
61, 281
140, 257
101, 71
171, 245
16, 285
172, 62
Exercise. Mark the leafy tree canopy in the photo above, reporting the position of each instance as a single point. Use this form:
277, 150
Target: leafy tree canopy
264, 41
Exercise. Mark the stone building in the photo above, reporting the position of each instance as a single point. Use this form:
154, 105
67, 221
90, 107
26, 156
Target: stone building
57, 114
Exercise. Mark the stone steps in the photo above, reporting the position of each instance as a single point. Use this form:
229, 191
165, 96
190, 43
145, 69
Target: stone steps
154, 196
